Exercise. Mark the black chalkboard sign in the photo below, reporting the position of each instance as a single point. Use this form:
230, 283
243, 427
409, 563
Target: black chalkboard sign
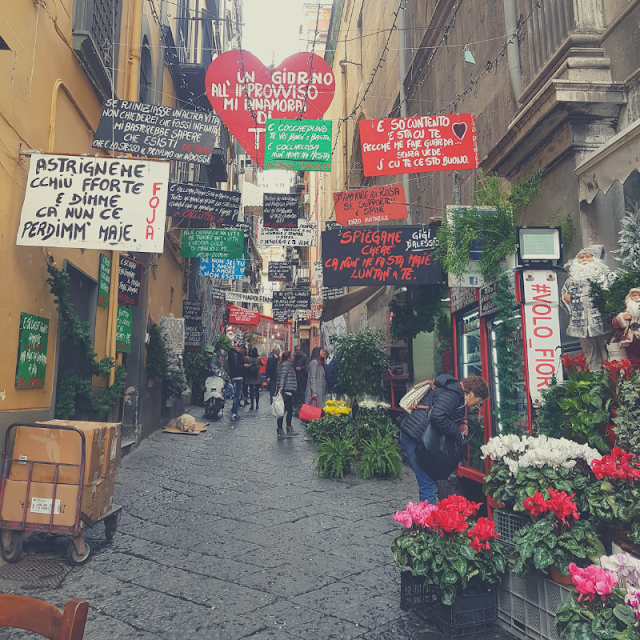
292, 299
158, 132
379, 256
281, 315
279, 272
196, 202
218, 295
129, 281
331, 293
280, 210
192, 337
192, 312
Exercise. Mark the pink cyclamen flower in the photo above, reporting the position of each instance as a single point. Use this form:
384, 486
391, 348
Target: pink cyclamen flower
592, 580
403, 518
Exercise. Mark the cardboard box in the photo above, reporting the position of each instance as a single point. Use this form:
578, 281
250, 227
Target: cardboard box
97, 499
63, 446
112, 451
39, 503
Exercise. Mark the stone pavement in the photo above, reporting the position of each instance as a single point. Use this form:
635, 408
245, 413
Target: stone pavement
230, 534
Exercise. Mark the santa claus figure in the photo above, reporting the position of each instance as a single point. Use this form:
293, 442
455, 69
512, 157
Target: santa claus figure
629, 322
586, 323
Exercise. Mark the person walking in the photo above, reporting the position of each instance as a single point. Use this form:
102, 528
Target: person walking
316, 384
300, 362
272, 372
450, 400
254, 377
237, 371
287, 384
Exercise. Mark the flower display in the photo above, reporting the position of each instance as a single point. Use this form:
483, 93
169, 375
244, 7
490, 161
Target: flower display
580, 362
373, 405
481, 534
558, 503
416, 514
625, 566
616, 366
591, 581
633, 600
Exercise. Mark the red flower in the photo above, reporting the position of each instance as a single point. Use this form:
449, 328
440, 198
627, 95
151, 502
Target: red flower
483, 531
619, 465
536, 505
613, 367
581, 361
567, 361
562, 505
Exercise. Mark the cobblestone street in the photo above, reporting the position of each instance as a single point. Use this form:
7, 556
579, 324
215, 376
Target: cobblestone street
230, 534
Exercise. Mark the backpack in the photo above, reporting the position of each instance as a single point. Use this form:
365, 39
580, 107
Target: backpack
252, 371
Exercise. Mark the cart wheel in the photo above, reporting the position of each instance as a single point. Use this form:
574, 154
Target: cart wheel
15, 549
76, 560
110, 526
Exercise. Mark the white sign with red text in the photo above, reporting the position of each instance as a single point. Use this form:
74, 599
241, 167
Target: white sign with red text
542, 326
94, 203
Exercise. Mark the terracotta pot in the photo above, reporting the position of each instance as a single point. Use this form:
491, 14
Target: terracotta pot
556, 577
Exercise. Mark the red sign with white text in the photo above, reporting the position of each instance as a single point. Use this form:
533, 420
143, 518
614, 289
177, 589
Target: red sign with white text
301, 86
370, 206
419, 144
239, 315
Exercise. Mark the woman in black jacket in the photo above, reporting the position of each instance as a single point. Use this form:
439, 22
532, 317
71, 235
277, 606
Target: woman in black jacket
450, 399
287, 385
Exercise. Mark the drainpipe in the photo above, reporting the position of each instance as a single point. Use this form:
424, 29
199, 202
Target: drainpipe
132, 96
513, 47
402, 73
343, 66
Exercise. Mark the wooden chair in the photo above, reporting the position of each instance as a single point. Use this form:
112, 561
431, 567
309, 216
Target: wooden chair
22, 612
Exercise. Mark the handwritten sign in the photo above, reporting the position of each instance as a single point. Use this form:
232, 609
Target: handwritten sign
331, 293
387, 255
239, 315
298, 145
123, 329
279, 272
212, 243
192, 311
419, 144
254, 298
280, 210
244, 93
158, 132
94, 203
192, 314
218, 294
292, 299
304, 235
462, 297
204, 204
32, 351
104, 280
221, 268
129, 281
281, 315
370, 206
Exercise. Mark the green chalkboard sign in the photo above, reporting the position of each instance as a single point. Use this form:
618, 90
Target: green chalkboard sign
104, 280
298, 145
123, 329
32, 351
212, 243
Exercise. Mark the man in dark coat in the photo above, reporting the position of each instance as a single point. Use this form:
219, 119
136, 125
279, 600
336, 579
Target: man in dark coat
450, 399
272, 371
237, 372
300, 362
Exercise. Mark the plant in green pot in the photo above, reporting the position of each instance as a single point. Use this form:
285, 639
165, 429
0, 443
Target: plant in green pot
452, 552
556, 538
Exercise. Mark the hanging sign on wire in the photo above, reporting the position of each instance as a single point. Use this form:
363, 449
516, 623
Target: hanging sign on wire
370, 206
244, 93
419, 144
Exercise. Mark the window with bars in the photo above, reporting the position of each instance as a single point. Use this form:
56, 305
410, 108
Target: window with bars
96, 29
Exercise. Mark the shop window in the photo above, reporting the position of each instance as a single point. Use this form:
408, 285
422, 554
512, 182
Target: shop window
96, 27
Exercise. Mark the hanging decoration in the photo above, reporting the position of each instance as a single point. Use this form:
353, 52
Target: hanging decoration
244, 93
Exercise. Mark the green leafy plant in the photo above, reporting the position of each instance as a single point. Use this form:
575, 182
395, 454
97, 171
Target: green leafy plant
610, 302
550, 417
74, 394
441, 544
417, 314
381, 457
627, 418
196, 368
330, 427
334, 457
157, 361
629, 241
371, 423
361, 359
509, 357
606, 618
492, 221
223, 343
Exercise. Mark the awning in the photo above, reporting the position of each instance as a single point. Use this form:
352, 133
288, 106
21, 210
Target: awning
613, 161
338, 306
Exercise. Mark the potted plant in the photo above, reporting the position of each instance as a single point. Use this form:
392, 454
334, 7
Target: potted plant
335, 456
600, 609
556, 538
447, 551
614, 499
381, 457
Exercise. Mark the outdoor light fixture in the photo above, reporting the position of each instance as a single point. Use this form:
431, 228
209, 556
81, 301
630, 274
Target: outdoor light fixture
539, 247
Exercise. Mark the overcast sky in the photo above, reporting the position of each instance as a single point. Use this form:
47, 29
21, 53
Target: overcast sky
271, 27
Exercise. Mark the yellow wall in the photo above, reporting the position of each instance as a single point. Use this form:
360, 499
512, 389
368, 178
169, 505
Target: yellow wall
47, 103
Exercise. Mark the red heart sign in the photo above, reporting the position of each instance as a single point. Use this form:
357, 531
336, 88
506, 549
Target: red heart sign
245, 102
